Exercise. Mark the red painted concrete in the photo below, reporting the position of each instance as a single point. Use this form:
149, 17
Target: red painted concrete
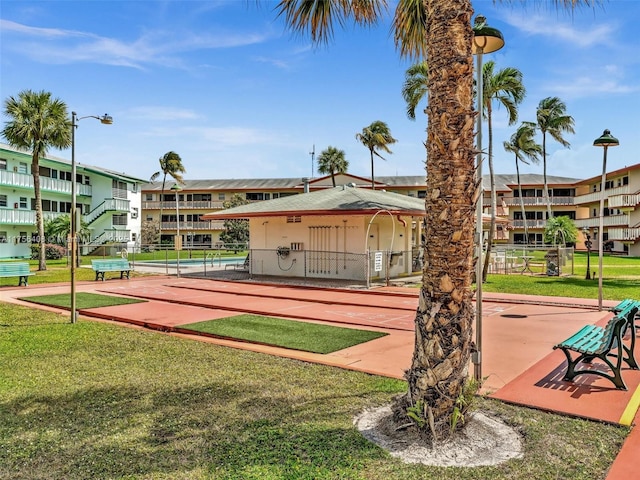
518, 335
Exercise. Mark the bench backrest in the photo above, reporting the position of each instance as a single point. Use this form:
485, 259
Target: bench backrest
121, 263
13, 268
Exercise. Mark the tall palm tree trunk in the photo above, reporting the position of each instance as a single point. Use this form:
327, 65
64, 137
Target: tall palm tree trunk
492, 225
35, 172
544, 175
439, 368
164, 178
524, 215
373, 185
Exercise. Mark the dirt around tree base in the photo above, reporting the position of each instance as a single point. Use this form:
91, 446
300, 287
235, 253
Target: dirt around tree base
484, 441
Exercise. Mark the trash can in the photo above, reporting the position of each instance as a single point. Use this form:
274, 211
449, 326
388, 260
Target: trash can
553, 263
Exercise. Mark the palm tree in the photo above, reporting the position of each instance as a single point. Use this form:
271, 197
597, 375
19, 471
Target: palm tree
332, 161
440, 365
376, 136
524, 147
414, 88
170, 164
504, 86
60, 228
37, 123
552, 119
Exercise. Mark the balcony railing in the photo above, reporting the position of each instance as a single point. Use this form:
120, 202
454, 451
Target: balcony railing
624, 234
628, 200
609, 221
530, 223
22, 180
186, 226
537, 201
14, 216
594, 197
200, 204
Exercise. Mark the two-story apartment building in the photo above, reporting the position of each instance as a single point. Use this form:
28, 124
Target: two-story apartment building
108, 201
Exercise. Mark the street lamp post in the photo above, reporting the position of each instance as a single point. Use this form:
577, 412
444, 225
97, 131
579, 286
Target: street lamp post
587, 244
606, 140
178, 241
485, 40
73, 224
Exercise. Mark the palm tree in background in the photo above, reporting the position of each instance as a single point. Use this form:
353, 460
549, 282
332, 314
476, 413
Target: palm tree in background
504, 87
376, 136
523, 145
443, 36
331, 161
414, 88
552, 118
37, 123
170, 164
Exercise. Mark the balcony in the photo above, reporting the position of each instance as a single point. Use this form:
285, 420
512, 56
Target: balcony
537, 201
54, 185
196, 205
188, 226
14, 216
594, 197
624, 234
627, 201
609, 221
541, 224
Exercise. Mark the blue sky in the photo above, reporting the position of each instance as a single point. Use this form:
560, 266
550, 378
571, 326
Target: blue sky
224, 85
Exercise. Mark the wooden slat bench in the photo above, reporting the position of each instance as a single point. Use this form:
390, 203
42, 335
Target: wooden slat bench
592, 342
14, 269
111, 265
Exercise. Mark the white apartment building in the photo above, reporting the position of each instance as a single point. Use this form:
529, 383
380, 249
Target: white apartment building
110, 202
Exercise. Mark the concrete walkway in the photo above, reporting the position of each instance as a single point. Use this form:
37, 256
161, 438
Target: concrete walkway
518, 334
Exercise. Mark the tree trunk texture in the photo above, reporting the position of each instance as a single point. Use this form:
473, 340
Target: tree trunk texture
35, 172
440, 364
494, 206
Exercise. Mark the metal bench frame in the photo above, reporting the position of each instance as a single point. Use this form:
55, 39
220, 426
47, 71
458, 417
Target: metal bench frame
592, 342
111, 265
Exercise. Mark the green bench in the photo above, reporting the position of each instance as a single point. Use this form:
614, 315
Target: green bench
111, 265
13, 269
592, 342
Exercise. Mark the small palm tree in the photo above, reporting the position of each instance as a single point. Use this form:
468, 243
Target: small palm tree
414, 88
170, 164
37, 123
376, 136
506, 88
332, 161
60, 228
552, 119
560, 230
523, 145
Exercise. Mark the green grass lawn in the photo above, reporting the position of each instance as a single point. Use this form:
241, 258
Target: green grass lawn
100, 401
305, 336
83, 300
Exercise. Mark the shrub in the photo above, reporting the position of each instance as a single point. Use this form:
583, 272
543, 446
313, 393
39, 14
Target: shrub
52, 251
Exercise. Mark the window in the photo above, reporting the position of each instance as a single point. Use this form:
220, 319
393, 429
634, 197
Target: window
149, 218
45, 172
134, 187
3, 237
3, 200
148, 197
221, 196
120, 219
134, 237
276, 195
22, 168
134, 212
3, 166
294, 219
254, 196
23, 202
65, 176
118, 189
54, 173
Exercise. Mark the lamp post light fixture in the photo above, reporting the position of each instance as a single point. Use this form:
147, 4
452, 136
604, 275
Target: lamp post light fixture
587, 244
485, 40
605, 141
177, 244
73, 224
